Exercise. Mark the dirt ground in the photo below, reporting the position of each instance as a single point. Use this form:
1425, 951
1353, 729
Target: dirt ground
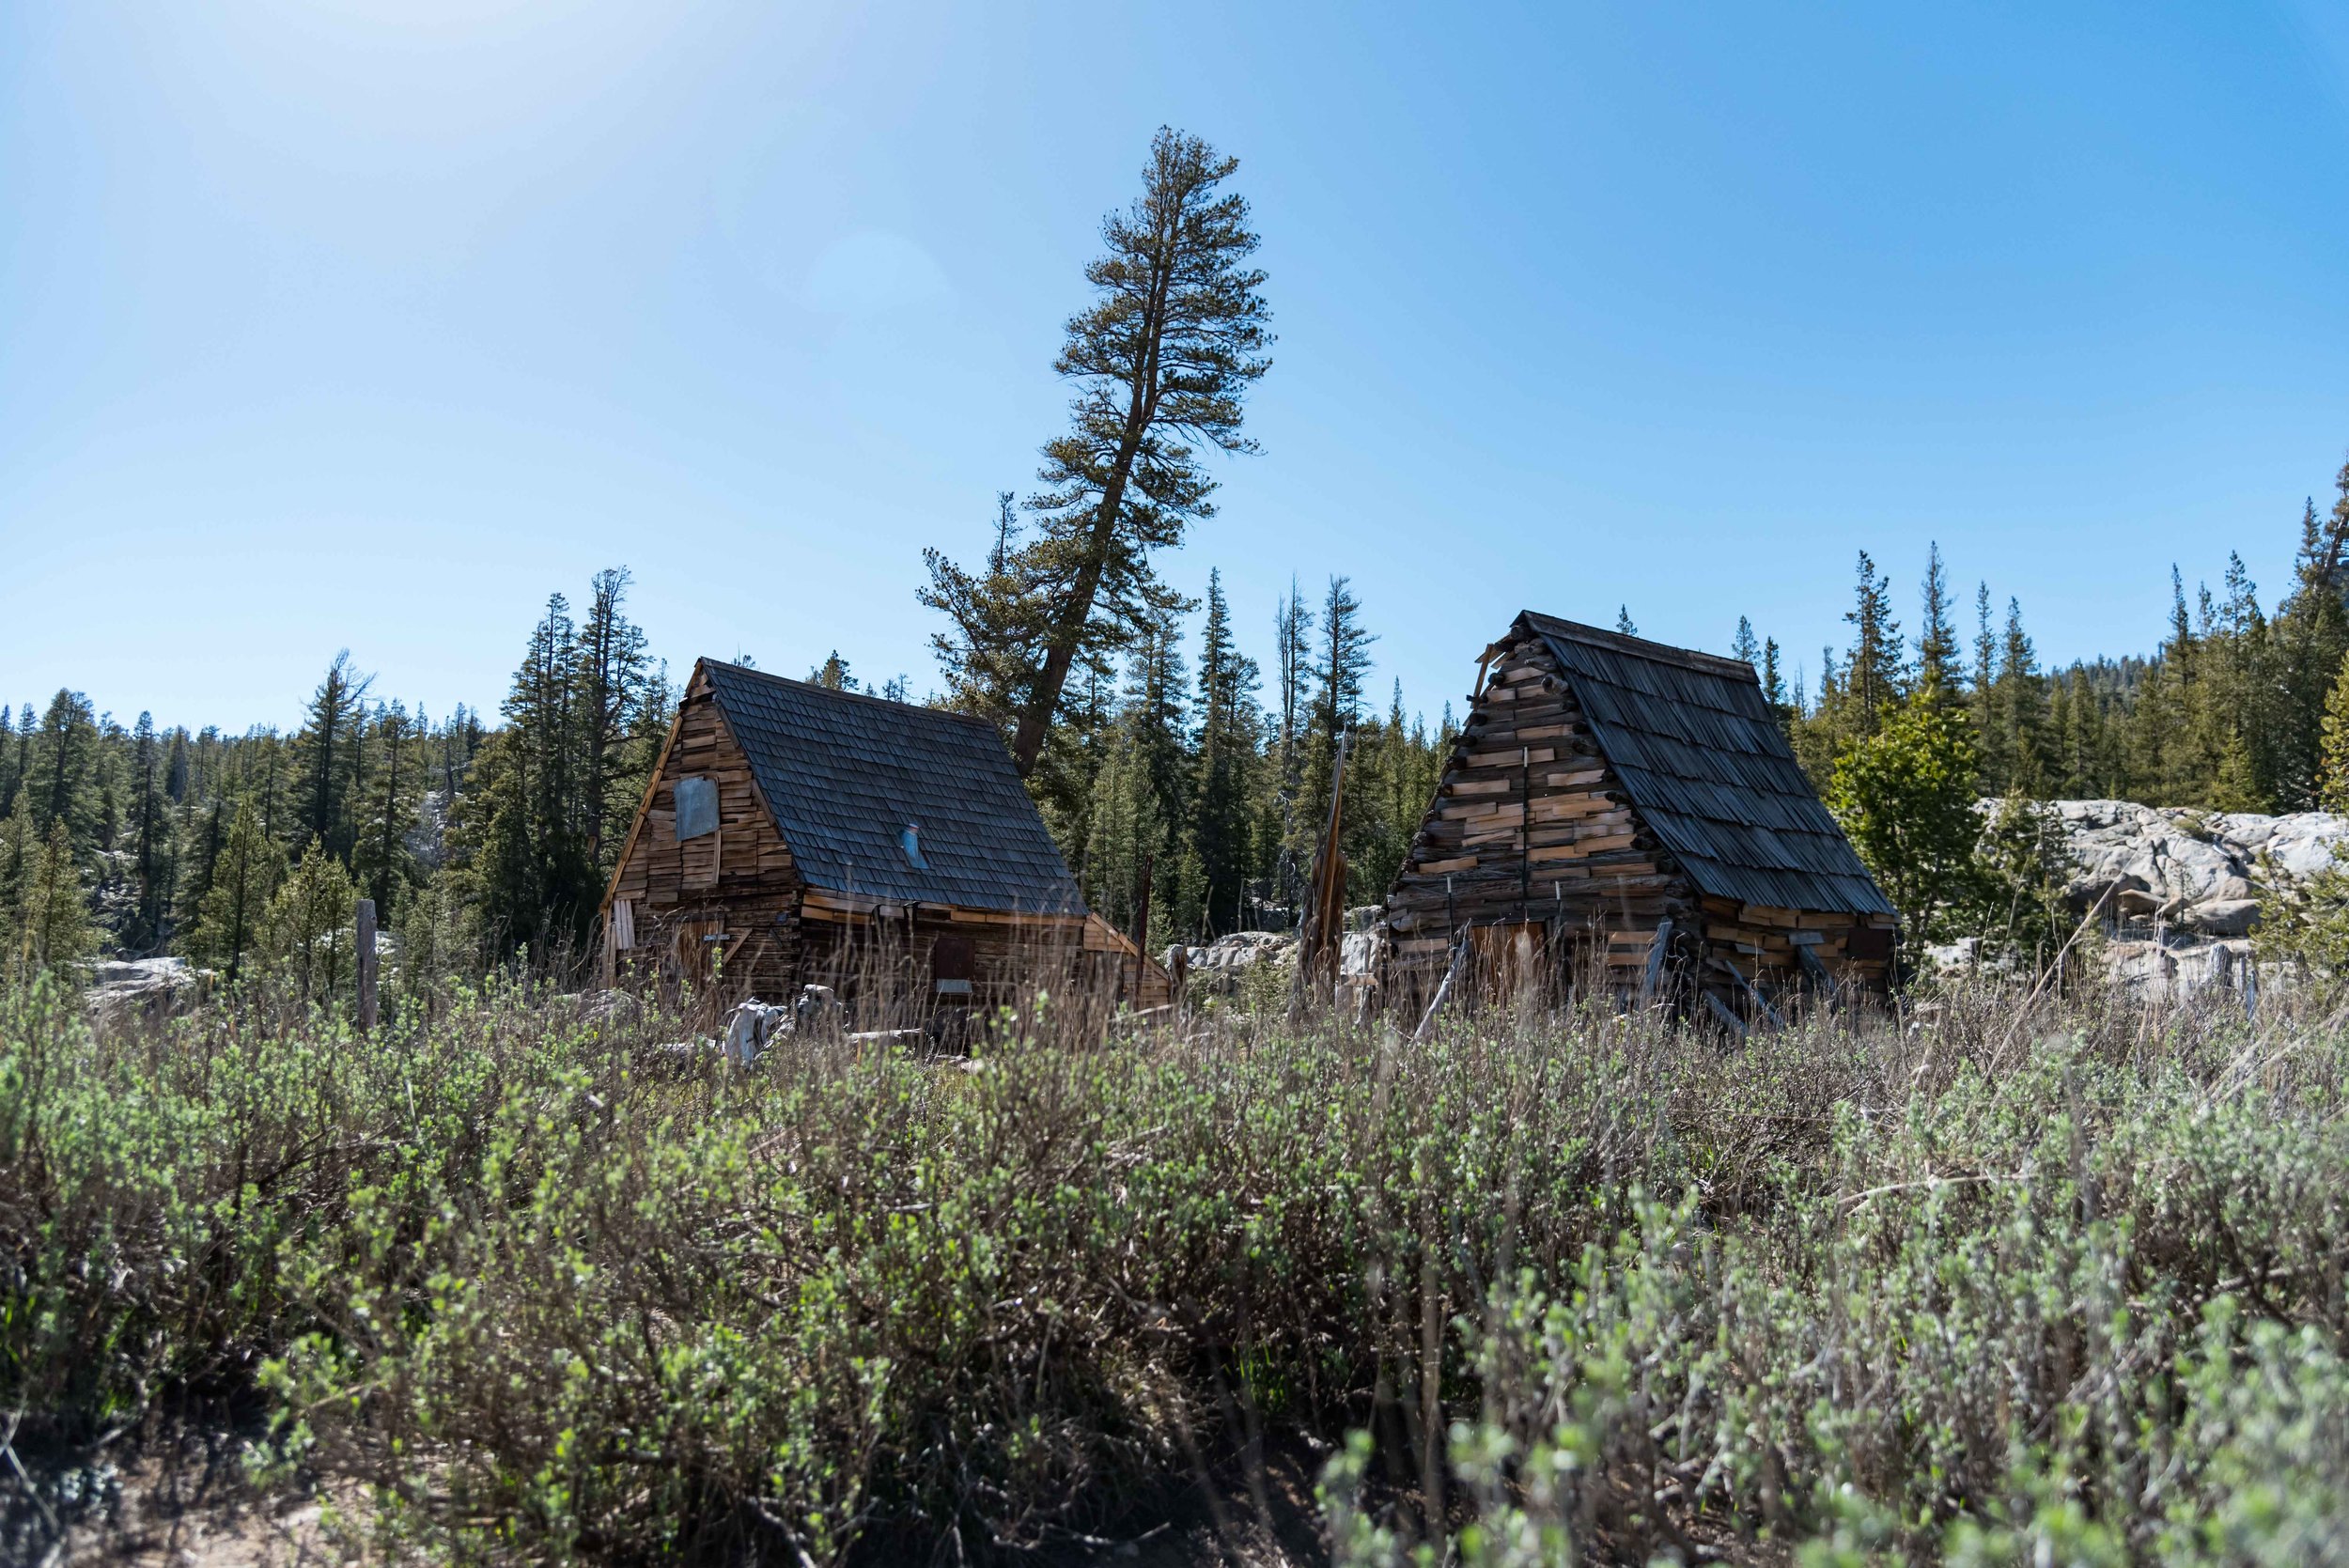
179, 1499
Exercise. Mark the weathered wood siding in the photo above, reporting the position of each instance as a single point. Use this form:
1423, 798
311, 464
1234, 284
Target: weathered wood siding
1528, 827
1531, 828
1765, 945
733, 893
732, 902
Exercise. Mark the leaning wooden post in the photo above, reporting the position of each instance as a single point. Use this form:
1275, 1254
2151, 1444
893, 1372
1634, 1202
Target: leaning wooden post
367, 965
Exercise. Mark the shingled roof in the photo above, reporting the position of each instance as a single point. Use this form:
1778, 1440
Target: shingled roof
844, 775
1708, 771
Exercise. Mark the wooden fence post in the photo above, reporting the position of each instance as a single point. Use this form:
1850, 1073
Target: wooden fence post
366, 966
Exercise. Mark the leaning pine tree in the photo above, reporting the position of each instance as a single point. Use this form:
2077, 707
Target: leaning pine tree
1163, 360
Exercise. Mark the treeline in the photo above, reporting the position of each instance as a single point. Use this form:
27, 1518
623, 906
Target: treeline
1212, 788
2240, 708
2227, 714
478, 844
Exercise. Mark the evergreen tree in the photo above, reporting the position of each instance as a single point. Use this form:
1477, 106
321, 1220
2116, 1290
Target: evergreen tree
999, 620
1774, 687
234, 917
2021, 701
382, 864
1402, 770
1219, 851
1292, 631
309, 932
439, 944
20, 849
1744, 647
204, 843
1342, 662
1163, 360
176, 768
537, 816
62, 771
1872, 669
19, 775
610, 668
522, 827
53, 925
1940, 675
1624, 622
151, 833
327, 756
1127, 828
2332, 785
2310, 638
1981, 696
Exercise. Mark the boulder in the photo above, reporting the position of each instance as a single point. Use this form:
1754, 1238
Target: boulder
2221, 917
125, 986
1215, 969
2149, 860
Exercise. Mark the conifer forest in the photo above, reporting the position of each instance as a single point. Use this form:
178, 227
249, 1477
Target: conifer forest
487, 834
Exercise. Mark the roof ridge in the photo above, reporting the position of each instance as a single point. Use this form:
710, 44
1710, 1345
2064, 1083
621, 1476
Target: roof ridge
732, 668
1640, 647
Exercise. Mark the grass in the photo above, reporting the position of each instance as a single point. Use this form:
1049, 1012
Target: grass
2001, 1280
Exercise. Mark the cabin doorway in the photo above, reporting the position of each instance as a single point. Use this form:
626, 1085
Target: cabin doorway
953, 970
1508, 959
702, 947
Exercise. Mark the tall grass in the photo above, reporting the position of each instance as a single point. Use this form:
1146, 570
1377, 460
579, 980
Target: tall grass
1995, 1277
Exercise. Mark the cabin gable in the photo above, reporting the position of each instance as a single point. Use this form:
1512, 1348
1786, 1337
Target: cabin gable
730, 893
1530, 831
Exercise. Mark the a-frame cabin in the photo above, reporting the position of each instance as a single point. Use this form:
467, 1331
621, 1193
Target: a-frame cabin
1621, 813
794, 834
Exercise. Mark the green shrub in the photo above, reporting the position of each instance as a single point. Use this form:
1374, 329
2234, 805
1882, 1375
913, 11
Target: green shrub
1989, 1285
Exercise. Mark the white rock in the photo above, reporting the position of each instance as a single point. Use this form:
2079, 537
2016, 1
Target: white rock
2221, 917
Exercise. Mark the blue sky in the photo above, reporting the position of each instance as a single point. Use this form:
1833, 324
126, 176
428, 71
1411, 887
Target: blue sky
367, 325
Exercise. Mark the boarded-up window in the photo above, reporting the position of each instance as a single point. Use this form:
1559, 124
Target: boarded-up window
1868, 944
696, 808
954, 964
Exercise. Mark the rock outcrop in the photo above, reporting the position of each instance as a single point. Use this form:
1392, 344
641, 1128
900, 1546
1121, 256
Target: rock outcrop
2177, 890
1215, 967
121, 987
2193, 869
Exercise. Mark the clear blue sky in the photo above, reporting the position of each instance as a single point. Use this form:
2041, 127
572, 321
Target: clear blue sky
368, 324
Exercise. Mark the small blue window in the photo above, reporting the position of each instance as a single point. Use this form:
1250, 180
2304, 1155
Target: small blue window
911, 842
697, 807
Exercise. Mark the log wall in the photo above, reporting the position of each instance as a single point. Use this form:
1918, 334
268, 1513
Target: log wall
1529, 826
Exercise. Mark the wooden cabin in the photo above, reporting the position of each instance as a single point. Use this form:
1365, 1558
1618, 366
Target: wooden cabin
794, 834
1621, 814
